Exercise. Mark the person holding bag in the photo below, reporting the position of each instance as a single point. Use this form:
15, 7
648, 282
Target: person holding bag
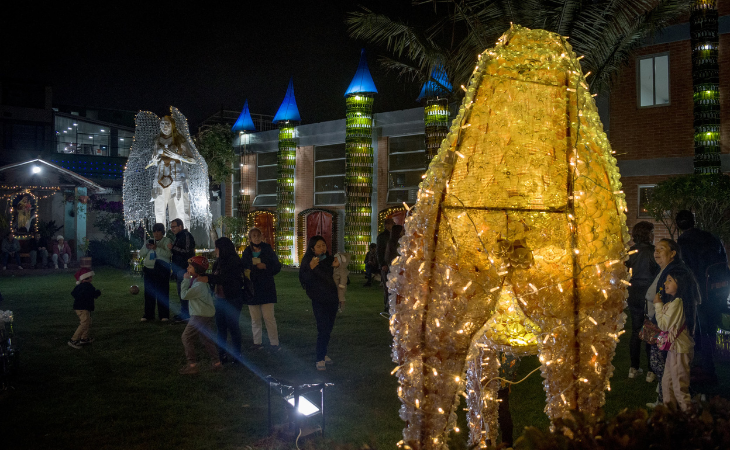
260, 264
226, 281
676, 318
316, 274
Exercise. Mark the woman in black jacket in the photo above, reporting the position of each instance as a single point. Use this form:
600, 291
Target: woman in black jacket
316, 276
260, 264
226, 281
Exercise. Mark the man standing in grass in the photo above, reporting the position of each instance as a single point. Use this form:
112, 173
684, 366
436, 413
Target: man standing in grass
182, 250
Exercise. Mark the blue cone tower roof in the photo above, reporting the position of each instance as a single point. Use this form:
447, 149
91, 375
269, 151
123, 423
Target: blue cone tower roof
362, 83
440, 87
288, 110
244, 121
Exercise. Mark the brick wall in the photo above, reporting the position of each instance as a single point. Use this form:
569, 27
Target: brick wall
631, 190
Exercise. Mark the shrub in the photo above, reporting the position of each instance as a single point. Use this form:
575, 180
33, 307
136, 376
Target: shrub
114, 252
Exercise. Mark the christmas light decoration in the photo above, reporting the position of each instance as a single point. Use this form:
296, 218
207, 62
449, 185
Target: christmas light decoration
706, 83
31, 204
434, 95
515, 245
359, 164
388, 212
302, 230
138, 180
287, 117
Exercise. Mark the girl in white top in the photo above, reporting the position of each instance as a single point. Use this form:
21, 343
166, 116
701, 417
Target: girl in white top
676, 315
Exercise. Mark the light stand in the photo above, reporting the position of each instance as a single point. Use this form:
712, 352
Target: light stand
300, 406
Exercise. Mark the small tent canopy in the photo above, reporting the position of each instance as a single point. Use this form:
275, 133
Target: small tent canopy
39, 175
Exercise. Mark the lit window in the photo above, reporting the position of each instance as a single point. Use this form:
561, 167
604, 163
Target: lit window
653, 80
645, 192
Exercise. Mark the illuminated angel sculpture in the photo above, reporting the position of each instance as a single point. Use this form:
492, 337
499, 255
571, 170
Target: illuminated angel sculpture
165, 177
516, 245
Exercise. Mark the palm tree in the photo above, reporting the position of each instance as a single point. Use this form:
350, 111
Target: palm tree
703, 25
606, 32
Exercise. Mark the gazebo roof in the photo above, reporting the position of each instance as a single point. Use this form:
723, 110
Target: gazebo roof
244, 121
362, 82
288, 110
47, 177
437, 85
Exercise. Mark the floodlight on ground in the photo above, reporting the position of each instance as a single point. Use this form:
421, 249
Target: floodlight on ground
301, 409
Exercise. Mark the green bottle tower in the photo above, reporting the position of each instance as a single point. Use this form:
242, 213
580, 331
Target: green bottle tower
287, 117
703, 27
359, 164
435, 97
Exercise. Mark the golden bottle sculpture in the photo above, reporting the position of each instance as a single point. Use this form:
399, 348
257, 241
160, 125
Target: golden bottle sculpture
516, 245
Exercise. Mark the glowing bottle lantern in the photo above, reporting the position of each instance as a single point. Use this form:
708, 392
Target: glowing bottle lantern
287, 117
515, 245
359, 164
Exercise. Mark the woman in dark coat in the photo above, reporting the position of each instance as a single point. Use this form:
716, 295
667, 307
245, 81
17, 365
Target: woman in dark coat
260, 264
226, 281
316, 276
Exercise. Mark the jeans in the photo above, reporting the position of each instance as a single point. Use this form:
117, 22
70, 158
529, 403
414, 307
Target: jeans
184, 304
227, 315
55, 259
7, 255
635, 344
156, 291
34, 257
325, 315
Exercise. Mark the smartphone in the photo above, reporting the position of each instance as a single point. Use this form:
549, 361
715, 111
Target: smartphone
323, 256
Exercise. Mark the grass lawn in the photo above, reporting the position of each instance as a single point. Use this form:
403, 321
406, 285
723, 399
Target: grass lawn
124, 390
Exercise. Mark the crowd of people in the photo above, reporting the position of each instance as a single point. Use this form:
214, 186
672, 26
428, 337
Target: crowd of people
672, 290
211, 301
37, 245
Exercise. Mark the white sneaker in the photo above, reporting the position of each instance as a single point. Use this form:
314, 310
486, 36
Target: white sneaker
650, 377
65, 266
653, 405
327, 360
5, 268
55, 266
321, 365
20, 267
633, 372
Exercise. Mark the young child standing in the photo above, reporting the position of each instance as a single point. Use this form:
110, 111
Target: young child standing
202, 315
84, 294
677, 316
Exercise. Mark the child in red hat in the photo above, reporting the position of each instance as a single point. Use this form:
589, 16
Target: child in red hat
84, 294
202, 313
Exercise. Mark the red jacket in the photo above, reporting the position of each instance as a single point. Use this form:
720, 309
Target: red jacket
66, 249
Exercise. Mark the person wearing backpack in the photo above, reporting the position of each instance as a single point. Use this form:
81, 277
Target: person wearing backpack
701, 251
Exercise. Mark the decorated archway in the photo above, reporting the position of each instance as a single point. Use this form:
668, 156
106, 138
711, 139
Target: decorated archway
397, 213
317, 221
266, 222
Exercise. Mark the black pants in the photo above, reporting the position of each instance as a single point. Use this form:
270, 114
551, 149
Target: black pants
384, 278
708, 319
184, 305
227, 316
157, 291
635, 344
505, 416
325, 315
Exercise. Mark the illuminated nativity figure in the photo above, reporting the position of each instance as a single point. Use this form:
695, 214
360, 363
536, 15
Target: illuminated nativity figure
515, 247
165, 177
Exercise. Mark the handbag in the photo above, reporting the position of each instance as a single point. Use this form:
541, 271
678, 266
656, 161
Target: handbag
663, 342
649, 332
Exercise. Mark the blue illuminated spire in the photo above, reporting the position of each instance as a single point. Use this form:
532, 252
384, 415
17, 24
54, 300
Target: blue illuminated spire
440, 87
362, 83
288, 110
244, 121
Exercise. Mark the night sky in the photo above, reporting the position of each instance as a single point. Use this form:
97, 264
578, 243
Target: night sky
149, 55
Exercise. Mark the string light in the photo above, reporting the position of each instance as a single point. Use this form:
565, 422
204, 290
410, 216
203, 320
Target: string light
526, 245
